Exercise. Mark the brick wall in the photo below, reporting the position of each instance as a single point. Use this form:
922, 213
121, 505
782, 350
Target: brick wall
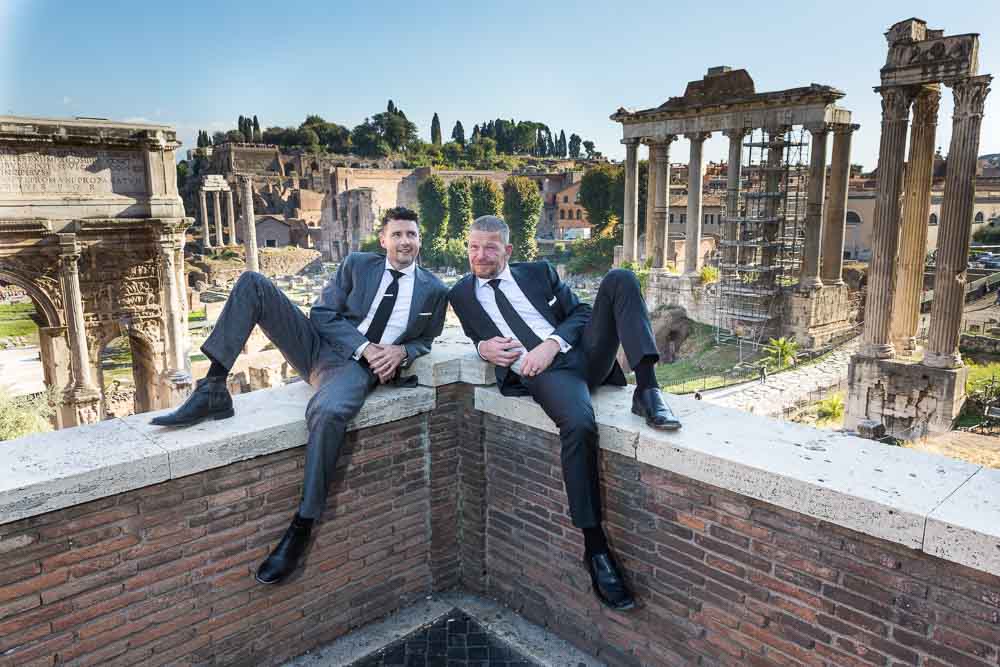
164, 574
721, 579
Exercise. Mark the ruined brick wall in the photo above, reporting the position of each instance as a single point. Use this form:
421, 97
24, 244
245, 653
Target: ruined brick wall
164, 575
721, 579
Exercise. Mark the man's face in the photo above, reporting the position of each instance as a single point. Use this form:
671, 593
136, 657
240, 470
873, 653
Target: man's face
488, 254
401, 240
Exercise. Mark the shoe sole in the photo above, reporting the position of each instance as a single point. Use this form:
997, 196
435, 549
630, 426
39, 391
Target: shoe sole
664, 427
215, 417
600, 598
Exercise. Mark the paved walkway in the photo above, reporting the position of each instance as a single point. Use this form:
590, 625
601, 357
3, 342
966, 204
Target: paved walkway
789, 388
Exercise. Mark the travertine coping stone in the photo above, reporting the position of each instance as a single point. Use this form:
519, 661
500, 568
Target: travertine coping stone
50, 471
887, 492
449, 362
965, 528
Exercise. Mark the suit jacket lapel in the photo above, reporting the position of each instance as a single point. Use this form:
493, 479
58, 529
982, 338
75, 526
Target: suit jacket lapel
416, 301
373, 278
535, 295
485, 323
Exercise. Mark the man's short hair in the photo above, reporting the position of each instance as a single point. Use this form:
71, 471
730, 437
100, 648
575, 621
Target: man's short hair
491, 223
399, 213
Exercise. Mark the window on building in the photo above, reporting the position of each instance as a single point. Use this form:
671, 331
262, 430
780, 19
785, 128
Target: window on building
671, 218
270, 243
933, 221
853, 218
684, 218
979, 218
562, 214
565, 199
579, 214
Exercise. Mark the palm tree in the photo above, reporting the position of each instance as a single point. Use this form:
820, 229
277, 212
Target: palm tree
781, 352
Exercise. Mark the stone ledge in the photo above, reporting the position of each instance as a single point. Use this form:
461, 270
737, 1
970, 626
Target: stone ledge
891, 493
50, 471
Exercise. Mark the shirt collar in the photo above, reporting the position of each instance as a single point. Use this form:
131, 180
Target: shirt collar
408, 271
504, 275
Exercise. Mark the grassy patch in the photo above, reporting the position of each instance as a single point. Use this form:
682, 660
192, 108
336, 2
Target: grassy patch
197, 316
703, 364
15, 320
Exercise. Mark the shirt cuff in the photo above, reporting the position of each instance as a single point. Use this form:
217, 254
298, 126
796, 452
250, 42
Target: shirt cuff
358, 352
564, 347
480, 353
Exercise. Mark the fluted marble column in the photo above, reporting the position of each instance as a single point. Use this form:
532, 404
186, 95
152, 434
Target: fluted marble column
662, 201
217, 210
832, 264
231, 216
913, 228
206, 232
731, 230
630, 242
81, 396
692, 231
250, 224
651, 187
885, 233
956, 223
809, 274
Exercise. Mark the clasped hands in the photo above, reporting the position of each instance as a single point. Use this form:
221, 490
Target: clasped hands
503, 351
384, 360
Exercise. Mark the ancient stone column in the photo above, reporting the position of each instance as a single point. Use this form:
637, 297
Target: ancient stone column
809, 274
249, 222
692, 235
956, 223
217, 209
206, 232
913, 228
81, 397
832, 263
876, 341
176, 376
733, 173
661, 201
630, 242
231, 216
651, 187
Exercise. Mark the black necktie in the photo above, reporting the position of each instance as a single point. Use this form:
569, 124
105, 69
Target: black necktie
524, 334
377, 327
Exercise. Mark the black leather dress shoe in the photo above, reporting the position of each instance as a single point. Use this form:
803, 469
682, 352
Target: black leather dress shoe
209, 400
285, 557
649, 403
608, 583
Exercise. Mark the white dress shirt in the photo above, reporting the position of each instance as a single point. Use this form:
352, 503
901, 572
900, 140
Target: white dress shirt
400, 310
488, 299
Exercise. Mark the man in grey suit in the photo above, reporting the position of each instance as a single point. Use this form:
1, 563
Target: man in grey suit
376, 316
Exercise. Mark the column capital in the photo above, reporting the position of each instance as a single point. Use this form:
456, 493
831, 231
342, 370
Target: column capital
697, 136
970, 95
630, 142
819, 128
845, 128
660, 150
736, 133
896, 102
69, 253
926, 105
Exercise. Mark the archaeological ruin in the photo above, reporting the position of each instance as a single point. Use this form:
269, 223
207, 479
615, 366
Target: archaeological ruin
92, 228
890, 387
781, 236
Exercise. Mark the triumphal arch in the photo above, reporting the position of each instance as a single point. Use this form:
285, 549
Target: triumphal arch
92, 228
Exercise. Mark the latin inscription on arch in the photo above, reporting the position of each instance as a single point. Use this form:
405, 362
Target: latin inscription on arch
76, 171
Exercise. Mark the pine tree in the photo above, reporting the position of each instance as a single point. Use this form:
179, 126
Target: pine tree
458, 133
459, 209
562, 143
432, 195
436, 130
522, 205
256, 130
487, 198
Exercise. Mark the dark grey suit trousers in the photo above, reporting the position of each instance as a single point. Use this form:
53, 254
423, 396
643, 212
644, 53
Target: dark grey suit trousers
341, 383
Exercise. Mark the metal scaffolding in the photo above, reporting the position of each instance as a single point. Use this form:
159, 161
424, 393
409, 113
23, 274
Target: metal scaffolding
762, 241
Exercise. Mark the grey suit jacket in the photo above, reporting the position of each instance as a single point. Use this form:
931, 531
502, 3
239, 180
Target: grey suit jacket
348, 296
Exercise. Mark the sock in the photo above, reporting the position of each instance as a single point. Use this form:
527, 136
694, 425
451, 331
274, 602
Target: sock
594, 540
302, 522
217, 370
645, 376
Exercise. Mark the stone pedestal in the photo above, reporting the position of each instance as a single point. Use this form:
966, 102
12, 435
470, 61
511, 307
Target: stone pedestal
911, 400
669, 289
816, 317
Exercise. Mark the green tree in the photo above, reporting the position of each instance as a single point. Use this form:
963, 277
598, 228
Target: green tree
436, 130
432, 195
183, 171
522, 204
368, 141
459, 209
589, 147
487, 198
562, 143
574, 145
458, 133
257, 136
781, 352
235, 136
599, 194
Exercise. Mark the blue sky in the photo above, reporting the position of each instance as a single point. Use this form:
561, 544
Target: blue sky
201, 64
